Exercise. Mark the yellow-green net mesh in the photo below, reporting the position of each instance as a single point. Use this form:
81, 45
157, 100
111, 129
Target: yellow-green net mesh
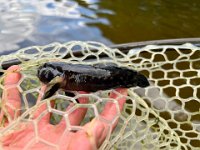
165, 115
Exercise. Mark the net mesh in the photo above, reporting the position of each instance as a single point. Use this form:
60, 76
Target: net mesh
165, 115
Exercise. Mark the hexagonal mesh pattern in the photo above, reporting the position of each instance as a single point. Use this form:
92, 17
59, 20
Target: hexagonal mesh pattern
166, 115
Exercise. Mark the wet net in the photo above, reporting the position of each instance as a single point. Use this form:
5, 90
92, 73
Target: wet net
165, 115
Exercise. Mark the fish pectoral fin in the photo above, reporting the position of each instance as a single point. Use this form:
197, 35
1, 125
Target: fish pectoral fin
57, 79
51, 91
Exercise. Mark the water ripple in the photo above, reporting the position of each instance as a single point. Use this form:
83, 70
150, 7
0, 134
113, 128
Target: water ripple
24, 23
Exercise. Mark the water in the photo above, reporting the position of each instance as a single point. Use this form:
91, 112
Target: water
38, 22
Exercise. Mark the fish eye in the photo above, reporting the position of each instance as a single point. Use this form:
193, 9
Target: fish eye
46, 74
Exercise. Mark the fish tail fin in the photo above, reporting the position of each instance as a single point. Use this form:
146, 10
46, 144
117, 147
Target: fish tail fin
142, 81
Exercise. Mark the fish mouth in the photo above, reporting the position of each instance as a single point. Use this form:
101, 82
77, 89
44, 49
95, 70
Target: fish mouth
53, 87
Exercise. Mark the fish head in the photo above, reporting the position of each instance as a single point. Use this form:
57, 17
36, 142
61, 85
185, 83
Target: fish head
47, 73
51, 77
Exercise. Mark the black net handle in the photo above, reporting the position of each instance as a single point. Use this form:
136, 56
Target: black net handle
127, 46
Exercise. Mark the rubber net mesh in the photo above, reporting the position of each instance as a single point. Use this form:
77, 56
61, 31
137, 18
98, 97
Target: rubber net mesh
165, 115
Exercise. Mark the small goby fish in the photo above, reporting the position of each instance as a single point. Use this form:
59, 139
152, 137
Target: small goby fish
89, 78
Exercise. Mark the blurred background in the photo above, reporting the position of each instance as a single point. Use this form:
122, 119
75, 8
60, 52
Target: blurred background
39, 22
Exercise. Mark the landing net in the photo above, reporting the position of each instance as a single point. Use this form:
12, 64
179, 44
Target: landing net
165, 115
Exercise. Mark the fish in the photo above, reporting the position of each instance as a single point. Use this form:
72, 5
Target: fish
88, 78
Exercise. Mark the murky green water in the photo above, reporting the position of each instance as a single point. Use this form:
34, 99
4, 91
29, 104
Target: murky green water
139, 20
37, 22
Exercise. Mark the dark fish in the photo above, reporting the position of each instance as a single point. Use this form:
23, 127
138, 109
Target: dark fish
90, 78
